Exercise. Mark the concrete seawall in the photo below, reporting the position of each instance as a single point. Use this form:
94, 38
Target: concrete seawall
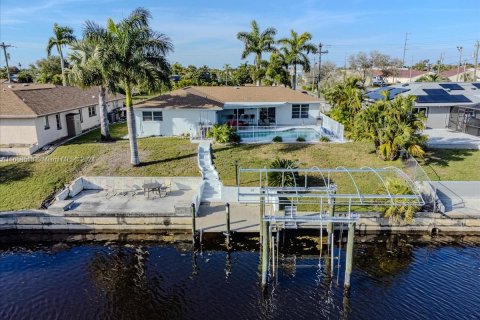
243, 219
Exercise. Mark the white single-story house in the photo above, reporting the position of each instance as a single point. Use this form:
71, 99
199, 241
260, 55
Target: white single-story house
35, 115
441, 102
192, 110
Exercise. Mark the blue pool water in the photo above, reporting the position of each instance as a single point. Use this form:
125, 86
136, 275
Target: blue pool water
290, 135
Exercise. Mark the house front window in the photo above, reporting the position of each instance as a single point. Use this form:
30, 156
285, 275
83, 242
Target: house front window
152, 116
47, 124
300, 111
423, 110
92, 111
59, 121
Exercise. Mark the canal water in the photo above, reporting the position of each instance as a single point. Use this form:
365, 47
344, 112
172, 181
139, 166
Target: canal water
162, 277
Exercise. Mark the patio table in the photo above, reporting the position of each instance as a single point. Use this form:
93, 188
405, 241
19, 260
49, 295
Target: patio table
151, 187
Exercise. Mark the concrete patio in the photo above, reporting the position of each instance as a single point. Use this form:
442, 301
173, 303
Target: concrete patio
125, 195
449, 139
176, 202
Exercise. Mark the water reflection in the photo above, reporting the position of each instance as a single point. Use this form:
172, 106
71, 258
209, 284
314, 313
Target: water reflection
165, 277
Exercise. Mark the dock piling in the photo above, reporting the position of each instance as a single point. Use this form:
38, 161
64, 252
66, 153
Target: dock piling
227, 212
349, 258
194, 227
265, 251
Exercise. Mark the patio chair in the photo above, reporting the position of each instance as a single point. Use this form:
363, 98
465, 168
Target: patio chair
166, 187
109, 192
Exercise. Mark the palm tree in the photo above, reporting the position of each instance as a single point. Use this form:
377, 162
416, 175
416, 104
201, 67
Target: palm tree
62, 37
392, 126
89, 71
257, 42
136, 55
295, 49
227, 70
346, 100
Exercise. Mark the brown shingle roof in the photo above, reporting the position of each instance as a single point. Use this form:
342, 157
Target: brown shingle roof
216, 97
20, 101
181, 99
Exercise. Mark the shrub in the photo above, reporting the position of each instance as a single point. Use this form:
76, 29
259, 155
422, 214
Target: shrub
223, 134
398, 213
289, 179
301, 139
277, 139
324, 139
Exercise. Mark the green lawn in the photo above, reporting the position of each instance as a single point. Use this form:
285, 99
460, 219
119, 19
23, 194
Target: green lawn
443, 164
26, 185
325, 155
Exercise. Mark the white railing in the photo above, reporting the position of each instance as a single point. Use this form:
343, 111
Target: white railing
415, 171
332, 127
197, 198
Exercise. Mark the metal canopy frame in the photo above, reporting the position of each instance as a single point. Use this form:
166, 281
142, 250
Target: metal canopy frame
327, 193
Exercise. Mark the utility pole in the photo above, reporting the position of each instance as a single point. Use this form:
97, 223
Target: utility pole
477, 45
313, 72
5, 46
404, 49
439, 63
320, 52
345, 68
460, 48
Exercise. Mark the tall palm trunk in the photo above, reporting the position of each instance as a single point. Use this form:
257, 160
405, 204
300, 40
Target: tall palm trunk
257, 68
62, 64
294, 78
102, 106
132, 128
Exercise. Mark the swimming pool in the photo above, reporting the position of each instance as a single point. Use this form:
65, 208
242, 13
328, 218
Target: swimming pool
288, 135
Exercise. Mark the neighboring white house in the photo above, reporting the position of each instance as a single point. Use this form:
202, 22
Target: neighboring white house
192, 110
35, 115
439, 101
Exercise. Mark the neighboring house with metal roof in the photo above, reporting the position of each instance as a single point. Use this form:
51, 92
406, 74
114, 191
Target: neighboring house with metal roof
35, 115
401, 76
192, 110
436, 100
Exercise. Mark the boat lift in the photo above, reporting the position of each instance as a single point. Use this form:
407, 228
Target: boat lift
317, 192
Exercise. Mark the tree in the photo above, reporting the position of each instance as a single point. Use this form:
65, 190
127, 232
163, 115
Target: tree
346, 100
434, 77
422, 65
242, 74
25, 76
88, 70
364, 63
277, 72
136, 54
392, 126
287, 179
295, 50
49, 70
256, 43
223, 133
62, 36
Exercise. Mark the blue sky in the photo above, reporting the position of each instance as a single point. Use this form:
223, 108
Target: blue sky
204, 32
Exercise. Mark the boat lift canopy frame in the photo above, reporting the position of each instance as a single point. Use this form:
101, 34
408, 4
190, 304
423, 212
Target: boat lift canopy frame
328, 192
